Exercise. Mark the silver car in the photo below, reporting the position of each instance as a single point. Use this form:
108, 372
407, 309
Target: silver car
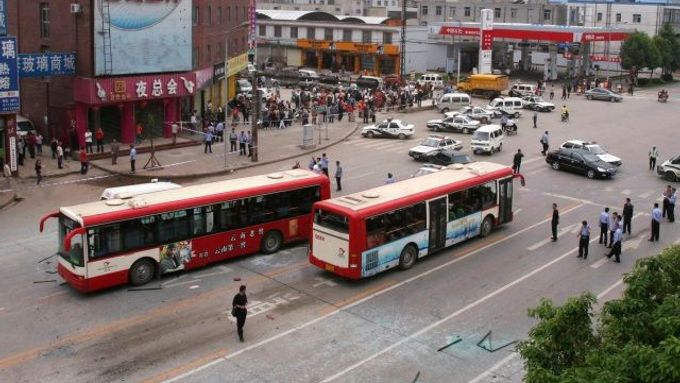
602, 94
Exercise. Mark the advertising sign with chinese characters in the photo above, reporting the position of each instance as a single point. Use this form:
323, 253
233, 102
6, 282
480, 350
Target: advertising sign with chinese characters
146, 36
3, 17
9, 76
47, 64
94, 91
486, 41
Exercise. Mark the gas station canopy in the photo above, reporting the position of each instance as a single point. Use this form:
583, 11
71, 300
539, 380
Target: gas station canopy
534, 32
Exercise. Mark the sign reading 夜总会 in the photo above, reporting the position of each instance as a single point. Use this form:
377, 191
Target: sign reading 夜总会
9, 76
47, 64
146, 36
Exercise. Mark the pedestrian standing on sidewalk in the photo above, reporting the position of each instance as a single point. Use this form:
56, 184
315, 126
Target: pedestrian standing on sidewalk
133, 158
544, 143
653, 155
517, 161
83, 161
554, 221
220, 132
249, 142
604, 225
38, 170
239, 310
39, 143
656, 223
114, 151
88, 140
338, 175
535, 119
99, 136
616, 247
627, 216
242, 140
175, 129
583, 240
60, 155
233, 137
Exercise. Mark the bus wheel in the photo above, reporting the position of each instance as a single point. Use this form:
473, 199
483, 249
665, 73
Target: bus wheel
408, 257
271, 242
142, 272
487, 226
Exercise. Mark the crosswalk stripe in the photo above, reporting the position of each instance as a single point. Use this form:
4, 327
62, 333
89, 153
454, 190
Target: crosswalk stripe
599, 263
646, 194
625, 192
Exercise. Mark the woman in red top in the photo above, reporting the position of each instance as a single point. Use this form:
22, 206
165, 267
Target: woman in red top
83, 161
99, 136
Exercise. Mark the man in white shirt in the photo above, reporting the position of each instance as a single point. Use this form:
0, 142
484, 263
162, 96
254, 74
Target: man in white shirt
88, 141
604, 225
390, 179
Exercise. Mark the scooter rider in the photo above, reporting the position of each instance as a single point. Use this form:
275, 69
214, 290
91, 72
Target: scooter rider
564, 113
504, 121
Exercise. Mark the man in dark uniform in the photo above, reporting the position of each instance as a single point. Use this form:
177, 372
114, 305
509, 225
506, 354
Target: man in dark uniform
555, 221
583, 240
604, 225
239, 310
616, 247
517, 161
627, 216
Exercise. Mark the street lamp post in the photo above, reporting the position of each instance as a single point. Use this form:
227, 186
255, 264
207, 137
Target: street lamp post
226, 86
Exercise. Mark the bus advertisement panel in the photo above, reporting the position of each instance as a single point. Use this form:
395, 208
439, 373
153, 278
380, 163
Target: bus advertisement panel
112, 242
365, 233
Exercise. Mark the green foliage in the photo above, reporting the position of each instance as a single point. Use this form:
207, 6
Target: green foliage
639, 51
668, 45
637, 338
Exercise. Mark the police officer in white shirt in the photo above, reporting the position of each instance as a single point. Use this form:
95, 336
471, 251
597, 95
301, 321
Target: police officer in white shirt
604, 225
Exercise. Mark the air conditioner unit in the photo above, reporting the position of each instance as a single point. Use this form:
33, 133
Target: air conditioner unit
75, 8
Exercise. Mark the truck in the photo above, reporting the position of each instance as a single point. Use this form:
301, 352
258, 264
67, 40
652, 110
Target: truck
485, 85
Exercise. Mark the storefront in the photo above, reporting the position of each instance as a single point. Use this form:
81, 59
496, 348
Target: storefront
354, 57
119, 104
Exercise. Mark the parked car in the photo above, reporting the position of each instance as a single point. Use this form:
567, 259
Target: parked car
520, 90
670, 169
594, 148
474, 112
432, 143
243, 86
389, 128
25, 126
446, 157
537, 103
511, 105
452, 101
602, 94
459, 123
580, 161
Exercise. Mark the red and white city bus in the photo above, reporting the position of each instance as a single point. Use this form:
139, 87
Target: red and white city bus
112, 242
362, 234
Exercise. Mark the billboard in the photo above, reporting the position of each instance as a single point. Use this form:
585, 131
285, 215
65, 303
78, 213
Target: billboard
47, 64
9, 76
146, 36
3, 17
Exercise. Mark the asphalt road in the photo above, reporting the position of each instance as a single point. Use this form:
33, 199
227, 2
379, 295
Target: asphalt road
310, 326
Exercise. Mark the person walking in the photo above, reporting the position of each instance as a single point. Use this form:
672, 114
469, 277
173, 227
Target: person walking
535, 119
324, 164
239, 310
604, 225
233, 137
115, 147
517, 161
672, 199
338, 175
616, 247
133, 158
242, 140
88, 141
627, 216
60, 155
544, 143
583, 240
99, 137
207, 139
84, 164
613, 224
249, 142
653, 155
554, 221
53, 147
390, 179
39, 143
38, 170
552, 92
656, 222
666, 198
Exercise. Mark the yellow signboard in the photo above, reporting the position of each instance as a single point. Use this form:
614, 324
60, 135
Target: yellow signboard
237, 64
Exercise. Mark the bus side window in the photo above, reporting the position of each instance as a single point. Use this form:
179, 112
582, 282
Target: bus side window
375, 232
197, 221
488, 195
231, 214
105, 240
173, 226
139, 232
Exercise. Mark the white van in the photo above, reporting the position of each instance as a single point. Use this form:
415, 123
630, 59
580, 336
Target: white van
129, 191
24, 126
521, 90
452, 101
434, 79
487, 139
512, 105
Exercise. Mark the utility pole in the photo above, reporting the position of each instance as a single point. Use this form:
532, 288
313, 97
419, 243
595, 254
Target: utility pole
402, 48
226, 96
255, 116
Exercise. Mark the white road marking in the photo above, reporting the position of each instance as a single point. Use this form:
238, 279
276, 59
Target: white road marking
362, 300
324, 282
194, 287
599, 263
559, 234
358, 176
450, 316
562, 196
516, 211
175, 284
647, 194
626, 192
514, 355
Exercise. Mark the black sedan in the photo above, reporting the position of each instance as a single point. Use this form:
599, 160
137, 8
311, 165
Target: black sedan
580, 161
446, 157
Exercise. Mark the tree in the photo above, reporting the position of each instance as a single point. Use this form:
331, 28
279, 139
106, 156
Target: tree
668, 45
637, 338
638, 51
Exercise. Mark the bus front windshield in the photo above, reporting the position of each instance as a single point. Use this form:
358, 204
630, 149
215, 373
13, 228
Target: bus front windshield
75, 255
332, 221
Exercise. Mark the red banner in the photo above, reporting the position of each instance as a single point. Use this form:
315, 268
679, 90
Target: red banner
108, 90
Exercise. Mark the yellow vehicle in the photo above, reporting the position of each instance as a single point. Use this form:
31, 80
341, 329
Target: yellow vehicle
487, 85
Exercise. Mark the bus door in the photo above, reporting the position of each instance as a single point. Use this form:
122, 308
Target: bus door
505, 200
438, 219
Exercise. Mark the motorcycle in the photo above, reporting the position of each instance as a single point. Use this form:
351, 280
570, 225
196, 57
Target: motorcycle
663, 97
510, 127
565, 116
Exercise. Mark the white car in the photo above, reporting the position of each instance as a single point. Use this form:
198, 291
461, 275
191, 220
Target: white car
434, 142
594, 148
670, 169
389, 128
458, 123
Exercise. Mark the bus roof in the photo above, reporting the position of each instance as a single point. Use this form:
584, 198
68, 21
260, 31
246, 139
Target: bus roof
94, 213
421, 188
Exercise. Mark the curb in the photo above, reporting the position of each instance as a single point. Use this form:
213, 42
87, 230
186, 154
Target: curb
9, 202
232, 170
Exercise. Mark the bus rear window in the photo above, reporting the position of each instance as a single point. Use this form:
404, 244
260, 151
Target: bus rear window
332, 221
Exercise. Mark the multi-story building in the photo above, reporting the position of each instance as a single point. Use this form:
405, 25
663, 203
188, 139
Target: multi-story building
337, 7
139, 64
527, 11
